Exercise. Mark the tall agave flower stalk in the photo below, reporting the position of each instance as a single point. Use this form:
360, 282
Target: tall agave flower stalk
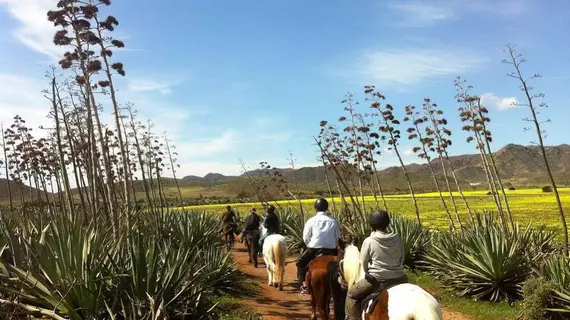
371, 146
437, 129
426, 146
532, 102
391, 135
475, 113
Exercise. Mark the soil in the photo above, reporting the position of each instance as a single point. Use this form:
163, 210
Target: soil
287, 304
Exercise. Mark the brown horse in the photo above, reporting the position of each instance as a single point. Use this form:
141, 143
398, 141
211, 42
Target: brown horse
322, 283
228, 231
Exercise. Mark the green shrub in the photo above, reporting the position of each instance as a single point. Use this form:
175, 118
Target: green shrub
537, 298
556, 269
484, 261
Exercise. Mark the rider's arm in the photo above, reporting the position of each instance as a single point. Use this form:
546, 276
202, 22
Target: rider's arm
308, 232
337, 232
365, 255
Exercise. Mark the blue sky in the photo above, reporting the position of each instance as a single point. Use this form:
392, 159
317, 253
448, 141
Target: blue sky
253, 79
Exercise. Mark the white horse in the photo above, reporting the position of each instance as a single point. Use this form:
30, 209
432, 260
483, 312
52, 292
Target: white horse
274, 255
405, 301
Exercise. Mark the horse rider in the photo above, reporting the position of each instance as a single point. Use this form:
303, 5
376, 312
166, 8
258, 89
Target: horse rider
321, 234
252, 223
382, 257
229, 218
271, 223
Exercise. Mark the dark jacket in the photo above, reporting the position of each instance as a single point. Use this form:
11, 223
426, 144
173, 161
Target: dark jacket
271, 223
228, 217
252, 222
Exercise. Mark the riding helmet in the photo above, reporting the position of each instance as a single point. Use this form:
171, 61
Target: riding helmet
379, 219
270, 209
321, 205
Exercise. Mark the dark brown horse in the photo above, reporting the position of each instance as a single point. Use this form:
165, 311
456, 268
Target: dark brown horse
251, 239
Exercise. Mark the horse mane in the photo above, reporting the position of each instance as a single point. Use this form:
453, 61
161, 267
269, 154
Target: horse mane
351, 265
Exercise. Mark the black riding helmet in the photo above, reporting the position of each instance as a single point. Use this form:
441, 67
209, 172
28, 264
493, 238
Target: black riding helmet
379, 220
321, 205
270, 209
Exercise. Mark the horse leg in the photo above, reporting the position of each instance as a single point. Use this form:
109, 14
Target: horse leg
324, 309
269, 274
281, 276
313, 307
253, 252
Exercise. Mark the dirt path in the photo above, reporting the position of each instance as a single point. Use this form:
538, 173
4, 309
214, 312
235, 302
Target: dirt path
287, 304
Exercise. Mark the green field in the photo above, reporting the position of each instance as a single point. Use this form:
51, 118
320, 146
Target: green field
528, 205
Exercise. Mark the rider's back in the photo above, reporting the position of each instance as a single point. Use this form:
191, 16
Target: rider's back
271, 223
385, 255
252, 222
321, 231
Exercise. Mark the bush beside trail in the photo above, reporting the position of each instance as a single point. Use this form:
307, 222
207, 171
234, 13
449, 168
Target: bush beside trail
164, 265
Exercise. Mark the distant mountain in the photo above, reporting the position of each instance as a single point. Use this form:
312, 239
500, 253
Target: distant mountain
17, 190
518, 165
262, 172
210, 177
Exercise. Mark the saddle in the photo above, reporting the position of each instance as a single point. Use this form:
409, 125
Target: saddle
326, 252
369, 302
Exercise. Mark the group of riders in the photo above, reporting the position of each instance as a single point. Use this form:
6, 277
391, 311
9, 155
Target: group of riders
382, 253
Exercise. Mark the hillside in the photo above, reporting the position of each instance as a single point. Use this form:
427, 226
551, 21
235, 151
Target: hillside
518, 165
17, 191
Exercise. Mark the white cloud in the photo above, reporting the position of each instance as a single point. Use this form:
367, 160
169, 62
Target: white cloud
409, 151
411, 66
148, 85
224, 143
501, 103
34, 30
22, 96
419, 14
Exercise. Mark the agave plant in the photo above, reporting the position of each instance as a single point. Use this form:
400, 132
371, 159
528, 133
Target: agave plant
417, 240
160, 266
292, 225
484, 261
69, 269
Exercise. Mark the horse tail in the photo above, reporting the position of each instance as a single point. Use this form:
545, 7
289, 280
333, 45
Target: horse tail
351, 265
279, 256
268, 253
337, 292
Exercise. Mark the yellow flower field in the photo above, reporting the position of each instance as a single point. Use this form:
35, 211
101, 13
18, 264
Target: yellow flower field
527, 205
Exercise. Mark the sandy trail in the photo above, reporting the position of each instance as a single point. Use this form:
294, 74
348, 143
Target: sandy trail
287, 304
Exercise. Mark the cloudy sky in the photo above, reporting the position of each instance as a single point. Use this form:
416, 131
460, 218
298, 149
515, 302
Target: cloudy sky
252, 79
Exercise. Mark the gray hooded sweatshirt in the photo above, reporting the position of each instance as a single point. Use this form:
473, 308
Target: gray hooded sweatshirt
382, 256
